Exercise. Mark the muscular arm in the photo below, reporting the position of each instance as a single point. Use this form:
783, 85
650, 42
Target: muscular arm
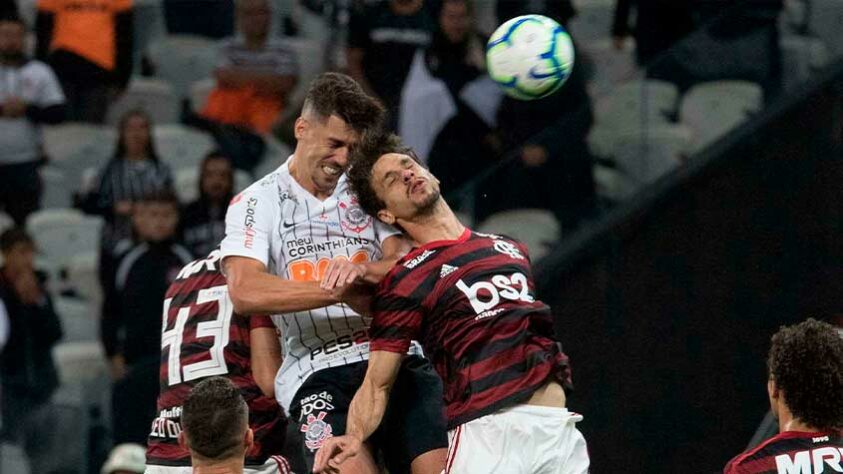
254, 291
266, 358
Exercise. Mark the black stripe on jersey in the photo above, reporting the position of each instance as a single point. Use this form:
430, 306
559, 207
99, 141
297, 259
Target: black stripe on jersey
394, 332
510, 373
391, 302
426, 286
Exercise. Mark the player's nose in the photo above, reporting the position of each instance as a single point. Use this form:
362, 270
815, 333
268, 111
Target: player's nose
408, 176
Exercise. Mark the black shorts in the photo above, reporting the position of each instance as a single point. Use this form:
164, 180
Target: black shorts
413, 424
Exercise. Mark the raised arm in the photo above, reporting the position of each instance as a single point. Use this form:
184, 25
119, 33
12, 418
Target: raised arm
265, 354
364, 414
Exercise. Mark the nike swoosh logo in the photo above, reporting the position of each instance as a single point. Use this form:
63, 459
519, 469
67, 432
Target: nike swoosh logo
287, 225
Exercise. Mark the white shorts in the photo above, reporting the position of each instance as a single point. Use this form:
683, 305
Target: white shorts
524, 439
273, 465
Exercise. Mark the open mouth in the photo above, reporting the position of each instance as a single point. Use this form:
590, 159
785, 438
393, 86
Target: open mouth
331, 170
417, 185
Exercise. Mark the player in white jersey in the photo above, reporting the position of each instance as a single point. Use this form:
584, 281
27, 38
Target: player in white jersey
297, 227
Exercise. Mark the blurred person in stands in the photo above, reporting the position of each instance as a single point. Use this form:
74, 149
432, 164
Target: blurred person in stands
382, 40
89, 45
659, 24
560, 10
134, 171
203, 224
255, 73
136, 282
27, 369
805, 384
29, 96
126, 458
244, 349
215, 423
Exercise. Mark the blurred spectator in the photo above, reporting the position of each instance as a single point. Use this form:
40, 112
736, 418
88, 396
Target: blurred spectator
204, 219
255, 73
28, 372
209, 18
382, 40
215, 422
560, 10
127, 458
131, 314
29, 95
89, 45
133, 172
659, 24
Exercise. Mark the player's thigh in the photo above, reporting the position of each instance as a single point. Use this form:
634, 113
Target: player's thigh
560, 448
413, 436
486, 446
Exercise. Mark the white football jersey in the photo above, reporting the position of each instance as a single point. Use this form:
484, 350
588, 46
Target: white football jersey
295, 235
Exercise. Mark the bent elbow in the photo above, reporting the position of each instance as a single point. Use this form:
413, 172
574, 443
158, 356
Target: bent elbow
243, 304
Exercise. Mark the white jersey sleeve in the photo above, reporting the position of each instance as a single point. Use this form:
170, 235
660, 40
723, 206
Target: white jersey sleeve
384, 231
249, 223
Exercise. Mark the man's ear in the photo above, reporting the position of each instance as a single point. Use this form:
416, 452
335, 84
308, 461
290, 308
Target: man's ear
249, 439
299, 128
773, 389
183, 442
386, 217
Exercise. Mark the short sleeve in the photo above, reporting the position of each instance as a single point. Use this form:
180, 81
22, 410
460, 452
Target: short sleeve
49, 90
358, 29
248, 226
262, 321
396, 320
384, 231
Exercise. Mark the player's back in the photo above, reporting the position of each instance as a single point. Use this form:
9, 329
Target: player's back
792, 452
203, 337
490, 340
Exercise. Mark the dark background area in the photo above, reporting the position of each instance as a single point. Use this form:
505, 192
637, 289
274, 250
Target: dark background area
667, 308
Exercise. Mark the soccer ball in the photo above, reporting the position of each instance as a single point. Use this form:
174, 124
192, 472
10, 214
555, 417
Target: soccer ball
530, 56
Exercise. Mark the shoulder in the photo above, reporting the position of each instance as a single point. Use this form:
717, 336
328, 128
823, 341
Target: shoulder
37, 70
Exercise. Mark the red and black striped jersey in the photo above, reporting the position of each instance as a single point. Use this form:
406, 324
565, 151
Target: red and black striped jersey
471, 304
792, 452
202, 337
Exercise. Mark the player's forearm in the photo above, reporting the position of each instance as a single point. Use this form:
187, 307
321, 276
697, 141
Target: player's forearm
262, 293
366, 410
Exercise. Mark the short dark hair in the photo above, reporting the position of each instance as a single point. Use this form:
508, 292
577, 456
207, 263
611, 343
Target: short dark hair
14, 236
363, 157
806, 364
12, 17
214, 418
332, 93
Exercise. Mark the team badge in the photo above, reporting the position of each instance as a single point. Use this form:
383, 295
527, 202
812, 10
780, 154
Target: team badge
316, 431
354, 219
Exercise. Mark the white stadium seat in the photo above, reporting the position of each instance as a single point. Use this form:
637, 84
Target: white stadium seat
643, 156
182, 147
62, 233
80, 362
83, 276
538, 229
593, 20
6, 222
199, 92
71, 144
801, 57
79, 320
611, 67
182, 60
712, 109
637, 104
156, 97
826, 22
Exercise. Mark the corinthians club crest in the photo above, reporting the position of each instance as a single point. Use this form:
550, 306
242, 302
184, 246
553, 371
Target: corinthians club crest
316, 431
353, 217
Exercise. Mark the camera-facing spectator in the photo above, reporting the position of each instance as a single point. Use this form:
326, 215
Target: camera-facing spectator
135, 285
382, 40
457, 54
659, 24
89, 45
134, 171
255, 73
29, 96
203, 225
27, 369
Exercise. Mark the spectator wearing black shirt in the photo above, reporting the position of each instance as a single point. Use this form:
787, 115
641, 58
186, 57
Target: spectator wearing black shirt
204, 219
131, 317
659, 24
28, 372
29, 96
382, 40
560, 10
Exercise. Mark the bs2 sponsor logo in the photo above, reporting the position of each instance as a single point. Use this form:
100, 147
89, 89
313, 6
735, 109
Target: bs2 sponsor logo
249, 223
485, 295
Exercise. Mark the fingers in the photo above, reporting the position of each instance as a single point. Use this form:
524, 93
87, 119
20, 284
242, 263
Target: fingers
340, 272
322, 455
330, 275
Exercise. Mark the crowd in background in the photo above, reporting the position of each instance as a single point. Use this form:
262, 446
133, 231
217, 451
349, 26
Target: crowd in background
508, 153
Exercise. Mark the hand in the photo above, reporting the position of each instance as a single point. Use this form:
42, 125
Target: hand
335, 451
534, 155
619, 42
117, 364
27, 288
342, 272
123, 208
357, 296
14, 107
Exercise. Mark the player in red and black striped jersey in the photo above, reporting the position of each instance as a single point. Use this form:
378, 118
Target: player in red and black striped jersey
805, 387
202, 337
469, 299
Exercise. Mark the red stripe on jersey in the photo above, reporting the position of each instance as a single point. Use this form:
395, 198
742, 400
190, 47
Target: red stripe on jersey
762, 458
452, 453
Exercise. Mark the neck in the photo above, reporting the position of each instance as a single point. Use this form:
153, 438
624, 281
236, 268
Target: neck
256, 42
135, 156
440, 224
787, 422
232, 466
299, 173
408, 8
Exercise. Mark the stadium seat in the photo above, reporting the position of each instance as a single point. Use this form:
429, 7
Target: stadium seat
643, 156
83, 276
611, 185
73, 144
182, 147
311, 59
6, 222
593, 20
801, 57
182, 60
57, 188
610, 66
637, 104
79, 361
712, 109
62, 233
156, 97
80, 322
199, 92
148, 24
538, 229
825, 21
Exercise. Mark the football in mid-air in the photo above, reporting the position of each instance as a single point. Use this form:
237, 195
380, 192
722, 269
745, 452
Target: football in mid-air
530, 56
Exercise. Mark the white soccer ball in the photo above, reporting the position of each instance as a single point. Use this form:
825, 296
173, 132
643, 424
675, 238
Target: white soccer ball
530, 56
